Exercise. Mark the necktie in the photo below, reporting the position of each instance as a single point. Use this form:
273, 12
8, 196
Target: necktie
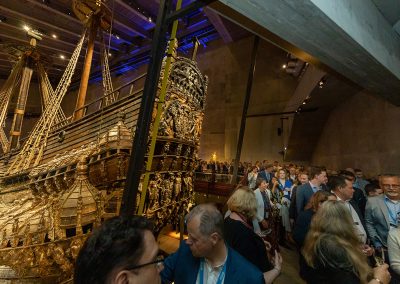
266, 201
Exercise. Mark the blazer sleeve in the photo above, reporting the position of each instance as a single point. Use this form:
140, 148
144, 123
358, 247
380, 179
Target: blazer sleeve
170, 263
369, 223
394, 250
300, 199
260, 206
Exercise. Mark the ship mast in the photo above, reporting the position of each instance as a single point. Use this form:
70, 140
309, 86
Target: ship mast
95, 14
30, 56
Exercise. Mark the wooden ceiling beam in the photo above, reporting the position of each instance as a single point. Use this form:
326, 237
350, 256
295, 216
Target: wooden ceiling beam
123, 36
40, 23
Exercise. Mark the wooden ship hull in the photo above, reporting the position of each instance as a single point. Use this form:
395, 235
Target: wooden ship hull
48, 209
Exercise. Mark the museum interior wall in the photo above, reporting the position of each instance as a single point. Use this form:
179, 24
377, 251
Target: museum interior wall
361, 132
228, 67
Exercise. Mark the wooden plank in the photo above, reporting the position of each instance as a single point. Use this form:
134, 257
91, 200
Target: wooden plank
84, 128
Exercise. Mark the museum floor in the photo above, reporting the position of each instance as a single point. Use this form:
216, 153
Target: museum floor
169, 242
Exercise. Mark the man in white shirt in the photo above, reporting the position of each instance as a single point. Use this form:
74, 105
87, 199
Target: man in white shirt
205, 258
343, 189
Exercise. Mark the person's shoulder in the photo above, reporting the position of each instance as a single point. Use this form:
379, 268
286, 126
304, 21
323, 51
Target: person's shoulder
184, 249
374, 200
241, 263
301, 187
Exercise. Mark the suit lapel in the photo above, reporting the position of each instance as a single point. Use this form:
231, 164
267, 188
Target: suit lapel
384, 210
357, 209
310, 190
230, 275
192, 275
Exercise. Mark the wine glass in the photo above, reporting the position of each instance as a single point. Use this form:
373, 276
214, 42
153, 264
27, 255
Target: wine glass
380, 258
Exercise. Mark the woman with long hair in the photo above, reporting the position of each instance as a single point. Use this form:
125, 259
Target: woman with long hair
334, 252
239, 233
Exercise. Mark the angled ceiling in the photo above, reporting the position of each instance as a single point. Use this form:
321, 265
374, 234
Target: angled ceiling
128, 42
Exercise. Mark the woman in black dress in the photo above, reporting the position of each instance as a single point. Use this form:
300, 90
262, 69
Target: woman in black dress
239, 234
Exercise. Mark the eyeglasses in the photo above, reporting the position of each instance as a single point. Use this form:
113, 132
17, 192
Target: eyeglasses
159, 262
389, 186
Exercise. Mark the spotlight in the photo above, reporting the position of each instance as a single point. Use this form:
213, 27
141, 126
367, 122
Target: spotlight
116, 36
26, 28
150, 20
284, 66
322, 82
62, 56
54, 36
109, 54
304, 103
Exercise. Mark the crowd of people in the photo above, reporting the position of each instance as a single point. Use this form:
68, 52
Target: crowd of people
345, 228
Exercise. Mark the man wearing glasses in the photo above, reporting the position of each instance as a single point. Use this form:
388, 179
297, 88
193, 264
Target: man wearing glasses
382, 212
204, 258
122, 251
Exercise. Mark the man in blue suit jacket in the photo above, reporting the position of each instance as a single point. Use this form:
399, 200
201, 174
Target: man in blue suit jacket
304, 192
204, 256
266, 173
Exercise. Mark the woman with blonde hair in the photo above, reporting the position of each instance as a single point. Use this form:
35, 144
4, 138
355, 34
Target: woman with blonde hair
334, 252
239, 233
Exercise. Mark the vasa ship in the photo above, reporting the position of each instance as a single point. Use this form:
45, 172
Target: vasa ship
68, 175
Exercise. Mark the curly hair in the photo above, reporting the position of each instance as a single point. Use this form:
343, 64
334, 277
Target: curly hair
117, 243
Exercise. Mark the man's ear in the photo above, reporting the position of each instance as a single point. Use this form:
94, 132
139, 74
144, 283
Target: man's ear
215, 237
121, 277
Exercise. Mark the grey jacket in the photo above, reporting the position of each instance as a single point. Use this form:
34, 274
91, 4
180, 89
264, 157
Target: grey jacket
377, 220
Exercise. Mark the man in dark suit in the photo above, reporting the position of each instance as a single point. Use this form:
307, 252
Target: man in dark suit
266, 173
204, 257
303, 179
342, 187
304, 192
358, 196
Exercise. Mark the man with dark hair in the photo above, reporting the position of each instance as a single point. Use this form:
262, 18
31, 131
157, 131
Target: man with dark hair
304, 192
372, 189
358, 196
122, 251
266, 173
204, 257
302, 178
342, 187
360, 182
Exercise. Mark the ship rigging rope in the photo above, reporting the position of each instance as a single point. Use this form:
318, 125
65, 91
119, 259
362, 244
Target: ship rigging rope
33, 148
5, 96
109, 96
48, 93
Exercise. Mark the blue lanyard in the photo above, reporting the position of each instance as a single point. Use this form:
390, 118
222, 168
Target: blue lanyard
393, 217
220, 277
